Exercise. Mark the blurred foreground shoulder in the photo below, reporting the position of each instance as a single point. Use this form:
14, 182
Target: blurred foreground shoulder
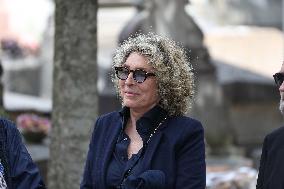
276, 137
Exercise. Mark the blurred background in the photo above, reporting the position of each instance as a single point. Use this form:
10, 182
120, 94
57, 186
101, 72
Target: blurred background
235, 47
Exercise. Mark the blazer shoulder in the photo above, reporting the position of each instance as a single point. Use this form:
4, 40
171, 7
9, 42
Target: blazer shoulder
109, 115
277, 132
106, 120
188, 123
276, 135
185, 132
8, 126
183, 127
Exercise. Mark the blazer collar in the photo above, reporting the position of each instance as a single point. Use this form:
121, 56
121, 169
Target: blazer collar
109, 145
147, 123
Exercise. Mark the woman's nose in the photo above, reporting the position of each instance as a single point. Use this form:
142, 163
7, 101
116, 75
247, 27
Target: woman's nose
130, 79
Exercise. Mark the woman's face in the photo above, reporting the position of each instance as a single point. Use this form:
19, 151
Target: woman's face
140, 96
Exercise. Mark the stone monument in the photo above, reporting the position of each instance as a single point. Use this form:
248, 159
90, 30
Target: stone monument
168, 18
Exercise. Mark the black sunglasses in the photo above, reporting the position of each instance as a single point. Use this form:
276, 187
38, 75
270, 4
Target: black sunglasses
278, 78
139, 75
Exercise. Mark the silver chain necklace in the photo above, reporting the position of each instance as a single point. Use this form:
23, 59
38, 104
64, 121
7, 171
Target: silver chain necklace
155, 130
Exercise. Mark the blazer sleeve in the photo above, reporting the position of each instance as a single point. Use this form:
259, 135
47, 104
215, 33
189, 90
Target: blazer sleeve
24, 173
262, 165
86, 182
191, 167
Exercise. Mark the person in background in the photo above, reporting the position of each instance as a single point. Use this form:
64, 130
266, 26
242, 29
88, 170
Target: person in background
149, 143
271, 169
17, 170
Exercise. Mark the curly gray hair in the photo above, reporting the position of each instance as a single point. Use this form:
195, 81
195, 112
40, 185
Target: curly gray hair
174, 73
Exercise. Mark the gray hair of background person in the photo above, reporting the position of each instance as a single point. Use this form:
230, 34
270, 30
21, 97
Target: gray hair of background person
173, 69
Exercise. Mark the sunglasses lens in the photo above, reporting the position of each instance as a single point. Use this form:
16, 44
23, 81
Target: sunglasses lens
122, 73
278, 79
139, 76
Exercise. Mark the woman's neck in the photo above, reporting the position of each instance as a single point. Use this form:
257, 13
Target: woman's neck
136, 114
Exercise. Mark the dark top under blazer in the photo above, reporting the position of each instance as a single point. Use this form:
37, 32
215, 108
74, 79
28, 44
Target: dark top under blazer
177, 149
271, 169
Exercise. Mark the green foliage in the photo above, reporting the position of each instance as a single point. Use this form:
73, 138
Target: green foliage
4, 114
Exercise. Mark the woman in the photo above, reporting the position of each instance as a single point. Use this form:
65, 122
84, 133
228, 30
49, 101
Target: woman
149, 143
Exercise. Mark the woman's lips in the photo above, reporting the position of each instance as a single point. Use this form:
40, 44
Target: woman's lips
130, 94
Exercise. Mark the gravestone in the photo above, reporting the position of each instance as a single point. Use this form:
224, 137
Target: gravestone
22, 75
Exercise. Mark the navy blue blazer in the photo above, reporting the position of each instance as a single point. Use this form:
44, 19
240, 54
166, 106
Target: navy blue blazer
271, 169
177, 150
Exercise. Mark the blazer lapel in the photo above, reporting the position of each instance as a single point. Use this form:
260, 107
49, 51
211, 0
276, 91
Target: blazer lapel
107, 149
153, 145
151, 149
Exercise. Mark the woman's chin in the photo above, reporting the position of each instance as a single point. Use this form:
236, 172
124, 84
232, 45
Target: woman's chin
129, 103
